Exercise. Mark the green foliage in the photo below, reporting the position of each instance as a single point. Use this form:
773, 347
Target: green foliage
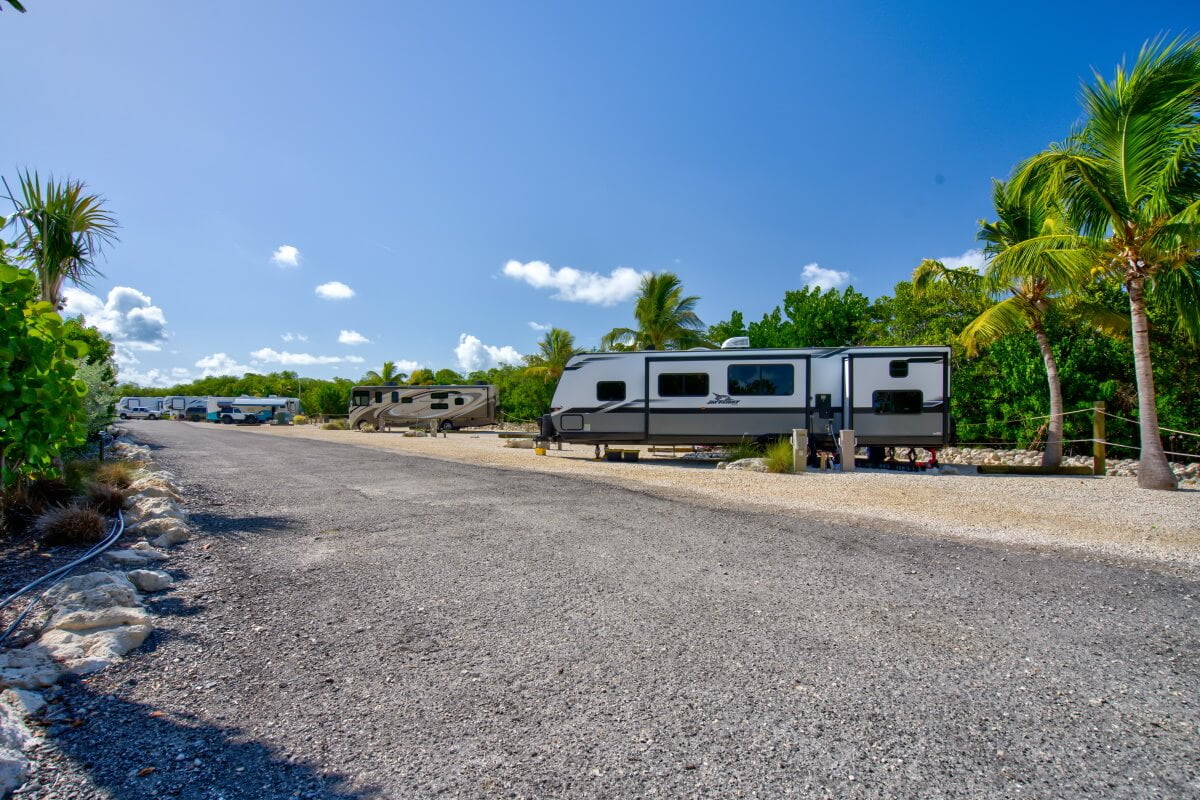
447, 377
554, 351
746, 448
666, 319
389, 374
41, 409
812, 318
100, 402
727, 329
422, 377
779, 456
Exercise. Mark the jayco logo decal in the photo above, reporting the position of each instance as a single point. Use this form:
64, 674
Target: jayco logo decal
722, 400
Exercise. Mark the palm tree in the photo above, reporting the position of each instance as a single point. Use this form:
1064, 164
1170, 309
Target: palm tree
63, 229
1025, 289
665, 318
554, 351
389, 374
1129, 180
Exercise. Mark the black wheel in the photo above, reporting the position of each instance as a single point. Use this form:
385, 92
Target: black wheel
124, 415
228, 420
447, 425
151, 416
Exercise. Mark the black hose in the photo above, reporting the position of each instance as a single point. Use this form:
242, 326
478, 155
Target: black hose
56, 576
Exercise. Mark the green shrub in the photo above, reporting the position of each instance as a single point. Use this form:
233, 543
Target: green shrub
778, 456
336, 425
299, 419
70, 525
746, 448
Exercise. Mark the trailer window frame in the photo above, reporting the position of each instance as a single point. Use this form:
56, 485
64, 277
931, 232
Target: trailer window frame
607, 391
406, 399
689, 384
439, 406
739, 387
898, 368
885, 401
360, 398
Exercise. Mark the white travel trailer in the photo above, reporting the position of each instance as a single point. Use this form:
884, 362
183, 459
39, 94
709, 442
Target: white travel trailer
264, 408
889, 396
152, 403
449, 407
192, 408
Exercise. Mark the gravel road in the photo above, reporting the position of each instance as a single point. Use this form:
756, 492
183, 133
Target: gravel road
359, 623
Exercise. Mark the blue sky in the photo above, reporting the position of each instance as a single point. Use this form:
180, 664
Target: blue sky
445, 161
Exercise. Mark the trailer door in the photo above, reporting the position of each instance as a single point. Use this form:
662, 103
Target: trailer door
899, 398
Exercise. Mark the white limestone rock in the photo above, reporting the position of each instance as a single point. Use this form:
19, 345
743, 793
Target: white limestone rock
28, 668
748, 465
89, 650
25, 702
150, 580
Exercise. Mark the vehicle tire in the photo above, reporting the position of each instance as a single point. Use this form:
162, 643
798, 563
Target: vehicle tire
447, 425
151, 416
228, 420
124, 415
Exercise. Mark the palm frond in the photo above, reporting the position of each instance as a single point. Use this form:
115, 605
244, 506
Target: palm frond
1006, 317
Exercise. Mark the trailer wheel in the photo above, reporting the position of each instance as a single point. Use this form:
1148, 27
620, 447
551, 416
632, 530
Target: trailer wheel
447, 425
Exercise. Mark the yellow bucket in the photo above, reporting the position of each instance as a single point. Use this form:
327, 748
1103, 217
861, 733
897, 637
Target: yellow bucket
539, 451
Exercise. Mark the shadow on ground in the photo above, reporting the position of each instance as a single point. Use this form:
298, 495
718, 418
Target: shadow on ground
135, 751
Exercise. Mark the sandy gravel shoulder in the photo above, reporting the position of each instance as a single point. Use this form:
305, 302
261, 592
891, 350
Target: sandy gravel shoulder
1101, 516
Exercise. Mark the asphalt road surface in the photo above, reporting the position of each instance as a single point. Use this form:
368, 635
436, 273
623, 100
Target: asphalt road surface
353, 623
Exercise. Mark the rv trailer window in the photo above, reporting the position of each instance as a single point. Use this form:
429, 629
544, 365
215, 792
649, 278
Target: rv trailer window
458, 401
379, 397
906, 401
440, 395
395, 397
683, 384
610, 390
439, 406
762, 379
898, 369
361, 399
405, 399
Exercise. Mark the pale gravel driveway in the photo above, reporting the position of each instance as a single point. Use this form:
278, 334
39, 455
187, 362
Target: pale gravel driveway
1108, 516
371, 624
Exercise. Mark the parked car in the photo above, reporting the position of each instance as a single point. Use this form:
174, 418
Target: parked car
234, 414
138, 412
195, 414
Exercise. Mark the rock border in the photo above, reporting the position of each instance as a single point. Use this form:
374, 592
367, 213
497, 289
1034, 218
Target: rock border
90, 621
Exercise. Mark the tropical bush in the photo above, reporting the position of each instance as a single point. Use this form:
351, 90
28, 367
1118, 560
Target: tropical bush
336, 425
778, 456
300, 419
746, 448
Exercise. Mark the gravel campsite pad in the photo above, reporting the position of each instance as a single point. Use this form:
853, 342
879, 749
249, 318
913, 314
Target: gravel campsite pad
357, 623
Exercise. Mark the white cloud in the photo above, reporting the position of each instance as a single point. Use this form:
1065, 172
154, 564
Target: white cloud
352, 337
537, 326
815, 275
577, 286
293, 337
973, 258
334, 290
128, 317
150, 378
286, 256
406, 366
221, 364
180, 372
267, 355
473, 354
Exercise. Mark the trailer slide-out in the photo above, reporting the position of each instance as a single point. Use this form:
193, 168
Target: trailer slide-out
889, 396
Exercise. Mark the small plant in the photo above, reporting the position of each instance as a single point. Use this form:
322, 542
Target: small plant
106, 499
17, 513
336, 425
778, 456
79, 472
299, 419
367, 427
117, 473
746, 448
45, 492
70, 525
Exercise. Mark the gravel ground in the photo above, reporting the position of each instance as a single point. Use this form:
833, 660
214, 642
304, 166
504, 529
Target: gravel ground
360, 623
1108, 516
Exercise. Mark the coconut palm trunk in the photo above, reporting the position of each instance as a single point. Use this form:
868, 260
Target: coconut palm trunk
1154, 471
1052, 455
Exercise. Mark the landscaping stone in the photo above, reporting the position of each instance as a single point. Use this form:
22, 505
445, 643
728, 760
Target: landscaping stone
150, 580
28, 668
748, 465
23, 701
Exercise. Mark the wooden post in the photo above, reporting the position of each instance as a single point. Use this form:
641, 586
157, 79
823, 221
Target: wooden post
1098, 465
848, 463
799, 449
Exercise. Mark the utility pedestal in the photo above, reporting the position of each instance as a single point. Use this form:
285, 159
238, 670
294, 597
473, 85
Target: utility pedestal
847, 446
799, 449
